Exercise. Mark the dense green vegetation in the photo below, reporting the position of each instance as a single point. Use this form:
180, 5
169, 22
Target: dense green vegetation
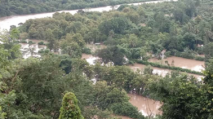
38, 88
11, 7
34, 88
133, 32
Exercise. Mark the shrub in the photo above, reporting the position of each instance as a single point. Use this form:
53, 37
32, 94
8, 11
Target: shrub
126, 109
70, 108
41, 43
30, 42
44, 51
86, 51
23, 41
200, 58
131, 62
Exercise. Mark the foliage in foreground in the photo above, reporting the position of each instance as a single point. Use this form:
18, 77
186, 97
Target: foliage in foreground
70, 108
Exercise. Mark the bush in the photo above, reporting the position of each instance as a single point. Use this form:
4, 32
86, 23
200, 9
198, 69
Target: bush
23, 41
86, 51
131, 62
41, 43
30, 42
126, 109
44, 51
200, 58
16, 41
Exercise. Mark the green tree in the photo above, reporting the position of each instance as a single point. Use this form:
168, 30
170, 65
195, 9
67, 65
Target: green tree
112, 54
118, 25
33, 33
71, 48
70, 108
50, 38
208, 52
182, 98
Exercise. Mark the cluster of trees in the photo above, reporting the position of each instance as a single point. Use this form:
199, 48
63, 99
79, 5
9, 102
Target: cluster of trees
181, 28
34, 88
11, 7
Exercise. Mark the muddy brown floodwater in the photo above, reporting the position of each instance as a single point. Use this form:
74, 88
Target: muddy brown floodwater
183, 63
146, 106
159, 71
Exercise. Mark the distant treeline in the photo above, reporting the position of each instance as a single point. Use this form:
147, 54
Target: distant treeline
11, 7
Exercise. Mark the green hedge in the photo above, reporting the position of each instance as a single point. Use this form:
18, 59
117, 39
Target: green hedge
168, 67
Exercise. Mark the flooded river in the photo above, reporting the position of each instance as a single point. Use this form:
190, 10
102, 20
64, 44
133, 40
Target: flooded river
146, 106
29, 50
182, 62
6, 22
159, 71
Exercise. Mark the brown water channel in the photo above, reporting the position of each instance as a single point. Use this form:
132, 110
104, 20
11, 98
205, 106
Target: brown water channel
159, 71
182, 62
146, 106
